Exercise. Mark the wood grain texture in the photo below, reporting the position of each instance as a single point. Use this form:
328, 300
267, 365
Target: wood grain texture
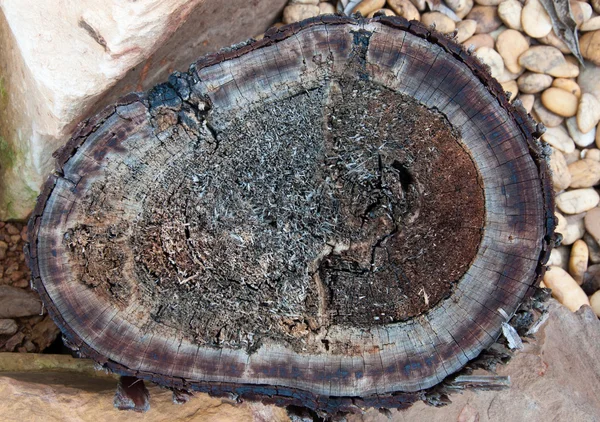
137, 137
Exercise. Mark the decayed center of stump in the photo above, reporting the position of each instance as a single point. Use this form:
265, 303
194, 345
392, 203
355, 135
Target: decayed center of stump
349, 204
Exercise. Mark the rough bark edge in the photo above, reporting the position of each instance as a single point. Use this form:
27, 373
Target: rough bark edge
284, 396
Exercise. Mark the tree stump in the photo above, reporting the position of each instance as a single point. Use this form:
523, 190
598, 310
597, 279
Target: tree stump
342, 213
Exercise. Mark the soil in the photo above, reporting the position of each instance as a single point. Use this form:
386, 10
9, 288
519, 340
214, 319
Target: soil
337, 206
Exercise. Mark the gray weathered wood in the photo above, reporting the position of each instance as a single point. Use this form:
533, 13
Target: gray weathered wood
122, 154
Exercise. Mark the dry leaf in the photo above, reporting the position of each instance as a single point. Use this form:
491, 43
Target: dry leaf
563, 24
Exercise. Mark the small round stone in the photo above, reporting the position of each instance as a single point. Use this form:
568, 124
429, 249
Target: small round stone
296, 12
511, 86
367, 6
532, 83
581, 139
588, 112
326, 8
8, 327
511, 44
568, 85
490, 57
561, 178
442, 23
465, 30
488, 2
578, 261
527, 101
549, 119
585, 173
455, 5
386, 12
592, 154
486, 17
574, 230
461, 13
534, 19
595, 303
565, 289
589, 45
577, 201
591, 25
581, 12
560, 102
509, 12
592, 223
548, 60
405, 9
479, 40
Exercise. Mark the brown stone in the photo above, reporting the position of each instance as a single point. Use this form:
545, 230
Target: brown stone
405, 9
441, 22
560, 102
479, 40
486, 17
584, 173
592, 223
561, 178
15, 302
590, 46
511, 44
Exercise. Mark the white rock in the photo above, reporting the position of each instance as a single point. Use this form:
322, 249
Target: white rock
441, 22
559, 138
296, 12
595, 303
509, 12
565, 289
561, 177
405, 8
491, 58
582, 140
548, 60
560, 102
326, 8
585, 173
534, 19
593, 153
577, 201
559, 257
511, 44
568, 85
507, 75
527, 101
588, 112
64, 60
591, 25
589, 79
367, 6
465, 30
574, 228
552, 40
578, 261
510, 86
532, 83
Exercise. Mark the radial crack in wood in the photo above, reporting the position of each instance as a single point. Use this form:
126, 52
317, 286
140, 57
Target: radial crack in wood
341, 214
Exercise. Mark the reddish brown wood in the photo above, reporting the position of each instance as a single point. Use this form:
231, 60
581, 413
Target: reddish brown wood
385, 365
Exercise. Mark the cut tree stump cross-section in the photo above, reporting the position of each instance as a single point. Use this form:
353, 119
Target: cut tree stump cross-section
344, 212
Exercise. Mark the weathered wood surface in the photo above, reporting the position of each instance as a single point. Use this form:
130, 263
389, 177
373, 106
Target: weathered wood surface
111, 168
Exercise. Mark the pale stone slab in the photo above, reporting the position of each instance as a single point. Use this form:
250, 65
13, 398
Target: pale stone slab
63, 61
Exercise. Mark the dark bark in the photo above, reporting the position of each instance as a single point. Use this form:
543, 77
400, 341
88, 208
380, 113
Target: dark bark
340, 215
